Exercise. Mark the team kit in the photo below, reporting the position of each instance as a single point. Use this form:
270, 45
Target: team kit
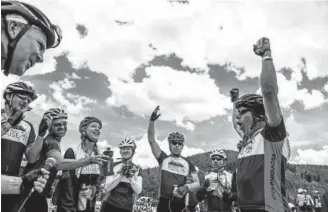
89, 176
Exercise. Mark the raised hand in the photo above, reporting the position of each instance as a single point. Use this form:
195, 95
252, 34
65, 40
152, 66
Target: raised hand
262, 47
234, 94
154, 116
45, 124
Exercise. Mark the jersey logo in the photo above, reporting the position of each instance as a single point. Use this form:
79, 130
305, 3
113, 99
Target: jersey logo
256, 147
19, 135
90, 169
176, 166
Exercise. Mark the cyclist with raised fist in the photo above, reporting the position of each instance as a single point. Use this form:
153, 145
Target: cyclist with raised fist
264, 148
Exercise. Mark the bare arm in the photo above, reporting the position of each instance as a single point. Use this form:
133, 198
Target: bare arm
234, 120
156, 150
67, 164
234, 95
269, 85
194, 186
136, 184
32, 152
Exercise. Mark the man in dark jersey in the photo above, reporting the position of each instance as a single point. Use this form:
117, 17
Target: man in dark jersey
17, 137
174, 170
264, 149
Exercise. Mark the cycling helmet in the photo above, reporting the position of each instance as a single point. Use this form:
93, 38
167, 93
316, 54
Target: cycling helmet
127, 143
87, 120
218, 152
175, 136
56, 113
20, 88
34, 16
254, 102
299, 190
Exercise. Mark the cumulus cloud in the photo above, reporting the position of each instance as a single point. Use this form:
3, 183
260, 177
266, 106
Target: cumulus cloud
74, 104
289, 93
312, 156
200, 32
180, 95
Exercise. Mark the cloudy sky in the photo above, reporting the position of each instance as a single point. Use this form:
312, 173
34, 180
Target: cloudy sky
119, 59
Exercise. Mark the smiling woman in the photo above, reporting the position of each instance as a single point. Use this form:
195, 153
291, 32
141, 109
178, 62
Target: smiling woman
78, 191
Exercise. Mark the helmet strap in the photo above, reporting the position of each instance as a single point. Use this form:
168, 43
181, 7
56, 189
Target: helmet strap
12, 44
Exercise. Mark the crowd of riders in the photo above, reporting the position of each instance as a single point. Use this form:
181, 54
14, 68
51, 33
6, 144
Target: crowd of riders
306, 201
89, 176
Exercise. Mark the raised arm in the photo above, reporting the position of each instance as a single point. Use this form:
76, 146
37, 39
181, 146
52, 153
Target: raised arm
234, 95
268, 83
156, 150
34, 149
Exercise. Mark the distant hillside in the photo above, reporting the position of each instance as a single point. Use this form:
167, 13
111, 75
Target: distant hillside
297, 176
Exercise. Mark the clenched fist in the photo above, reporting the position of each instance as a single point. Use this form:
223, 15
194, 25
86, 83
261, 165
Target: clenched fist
262, 47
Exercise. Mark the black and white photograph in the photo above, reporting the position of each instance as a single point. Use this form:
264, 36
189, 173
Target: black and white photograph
164, 106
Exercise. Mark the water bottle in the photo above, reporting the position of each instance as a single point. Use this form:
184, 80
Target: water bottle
82, 201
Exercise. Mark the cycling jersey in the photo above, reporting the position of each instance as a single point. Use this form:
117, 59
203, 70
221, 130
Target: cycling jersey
219, 182
122, 195
174, 171
261, 168
300, 199
14, 144
71, 181
317, 201
50, 144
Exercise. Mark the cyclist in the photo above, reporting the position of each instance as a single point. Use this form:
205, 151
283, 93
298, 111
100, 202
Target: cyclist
174, 170
317, 201
300, 199
216, 190
125, 182
51, 148
18, 136
72, 196
308, 201
264, 149
26, 33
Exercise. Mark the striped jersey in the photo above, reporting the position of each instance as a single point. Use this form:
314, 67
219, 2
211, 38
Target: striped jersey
261, 166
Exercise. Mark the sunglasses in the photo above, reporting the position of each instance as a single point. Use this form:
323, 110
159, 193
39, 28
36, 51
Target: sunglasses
217, 159
177, 143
